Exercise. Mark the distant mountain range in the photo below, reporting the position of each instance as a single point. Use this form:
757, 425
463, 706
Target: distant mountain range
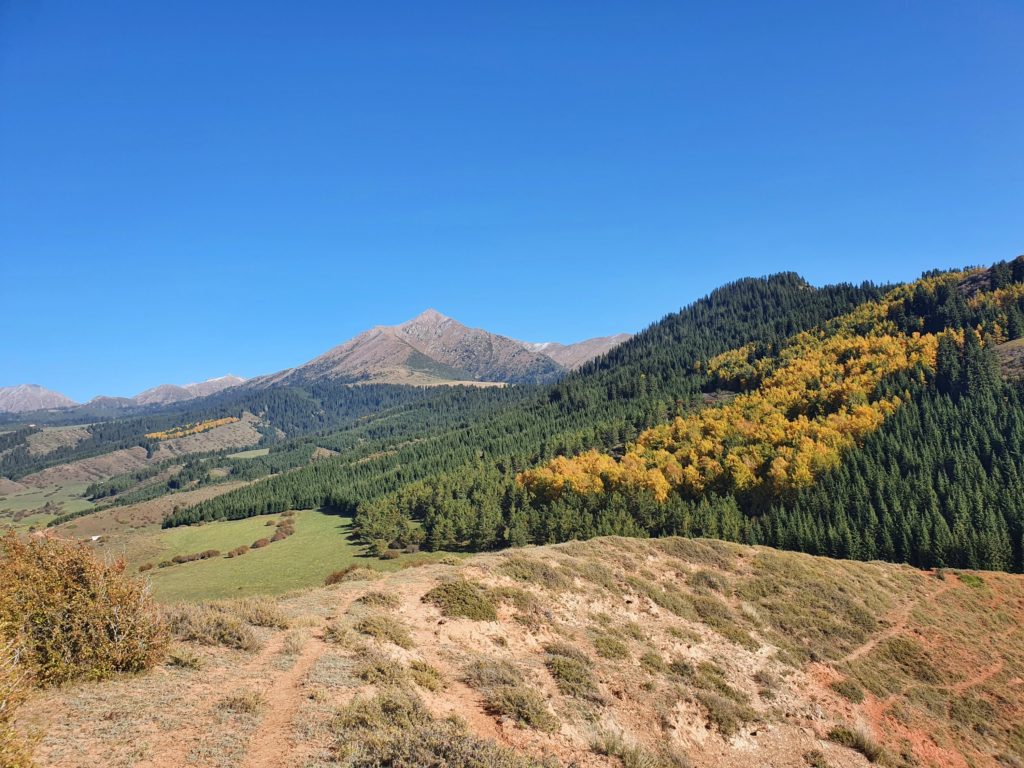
25, 398
31, 397
430, 349
435, 349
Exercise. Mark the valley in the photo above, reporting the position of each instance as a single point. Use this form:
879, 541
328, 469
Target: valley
564, 563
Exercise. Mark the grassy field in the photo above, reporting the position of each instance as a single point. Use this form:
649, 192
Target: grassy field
321, 544
251, 454
68, 496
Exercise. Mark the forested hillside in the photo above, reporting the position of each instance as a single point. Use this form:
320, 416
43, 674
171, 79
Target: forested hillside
490, 436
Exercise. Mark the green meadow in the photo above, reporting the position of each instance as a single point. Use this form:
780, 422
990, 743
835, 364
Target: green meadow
322, 543
69, 497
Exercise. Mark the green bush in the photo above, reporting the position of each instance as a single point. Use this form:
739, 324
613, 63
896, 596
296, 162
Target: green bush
462, 599
524, 705
848, 690
608, 647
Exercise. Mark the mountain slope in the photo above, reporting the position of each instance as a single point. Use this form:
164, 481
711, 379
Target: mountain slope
31, 397
572, 356
172, 393
432, 348
666, 653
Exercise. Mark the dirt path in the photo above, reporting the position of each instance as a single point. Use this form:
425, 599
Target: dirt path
899, 625
272, 744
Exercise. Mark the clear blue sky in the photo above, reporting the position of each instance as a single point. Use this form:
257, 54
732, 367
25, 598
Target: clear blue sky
192, 188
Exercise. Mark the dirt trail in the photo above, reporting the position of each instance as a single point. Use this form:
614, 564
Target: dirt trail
902, 618
272, 744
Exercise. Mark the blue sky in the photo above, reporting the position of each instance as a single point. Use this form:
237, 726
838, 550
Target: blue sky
192, 188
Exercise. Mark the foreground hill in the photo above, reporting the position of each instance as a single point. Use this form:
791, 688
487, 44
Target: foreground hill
612, 652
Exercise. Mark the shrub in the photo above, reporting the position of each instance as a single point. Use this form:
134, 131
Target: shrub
608, 647
387, 600
485, 673
259, 543
13, 688
708, 581
462, 599
390, 554
384, 627
653, 662
571, 674
815, 758
73, 615
522, 704
425, 675
857, 740
524, 568
380, 670
210, 625
145, 567
238, 551
448, 560
341, 635
350, 573
848, 690
280, 535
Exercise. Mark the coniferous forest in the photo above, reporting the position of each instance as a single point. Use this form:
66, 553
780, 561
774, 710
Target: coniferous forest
867, 422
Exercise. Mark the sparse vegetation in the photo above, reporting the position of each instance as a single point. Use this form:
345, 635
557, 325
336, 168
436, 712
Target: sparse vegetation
425, 676
394, 728
350, 573
615, 744
185, 658
462, 599
848, 690
857, 740
243, 703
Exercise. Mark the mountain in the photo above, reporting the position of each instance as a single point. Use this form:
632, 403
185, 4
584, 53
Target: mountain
572, 356
31, 397
173, 393
433, 349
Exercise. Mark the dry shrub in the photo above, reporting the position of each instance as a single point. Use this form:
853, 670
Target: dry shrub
378, 669
13, 688
570, 670
350, 573
609, 647
185, 658
210, 625
484, 673
238, 551
73, 615
260, 543
614, 744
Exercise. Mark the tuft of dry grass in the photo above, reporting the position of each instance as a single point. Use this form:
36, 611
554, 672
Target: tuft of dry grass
377, 669
383, 600
383, 627
184, 658
243, 703
614, 744
484, 673
258, 611
859, 741
351, 573
570, 669
210, 625
294, 642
